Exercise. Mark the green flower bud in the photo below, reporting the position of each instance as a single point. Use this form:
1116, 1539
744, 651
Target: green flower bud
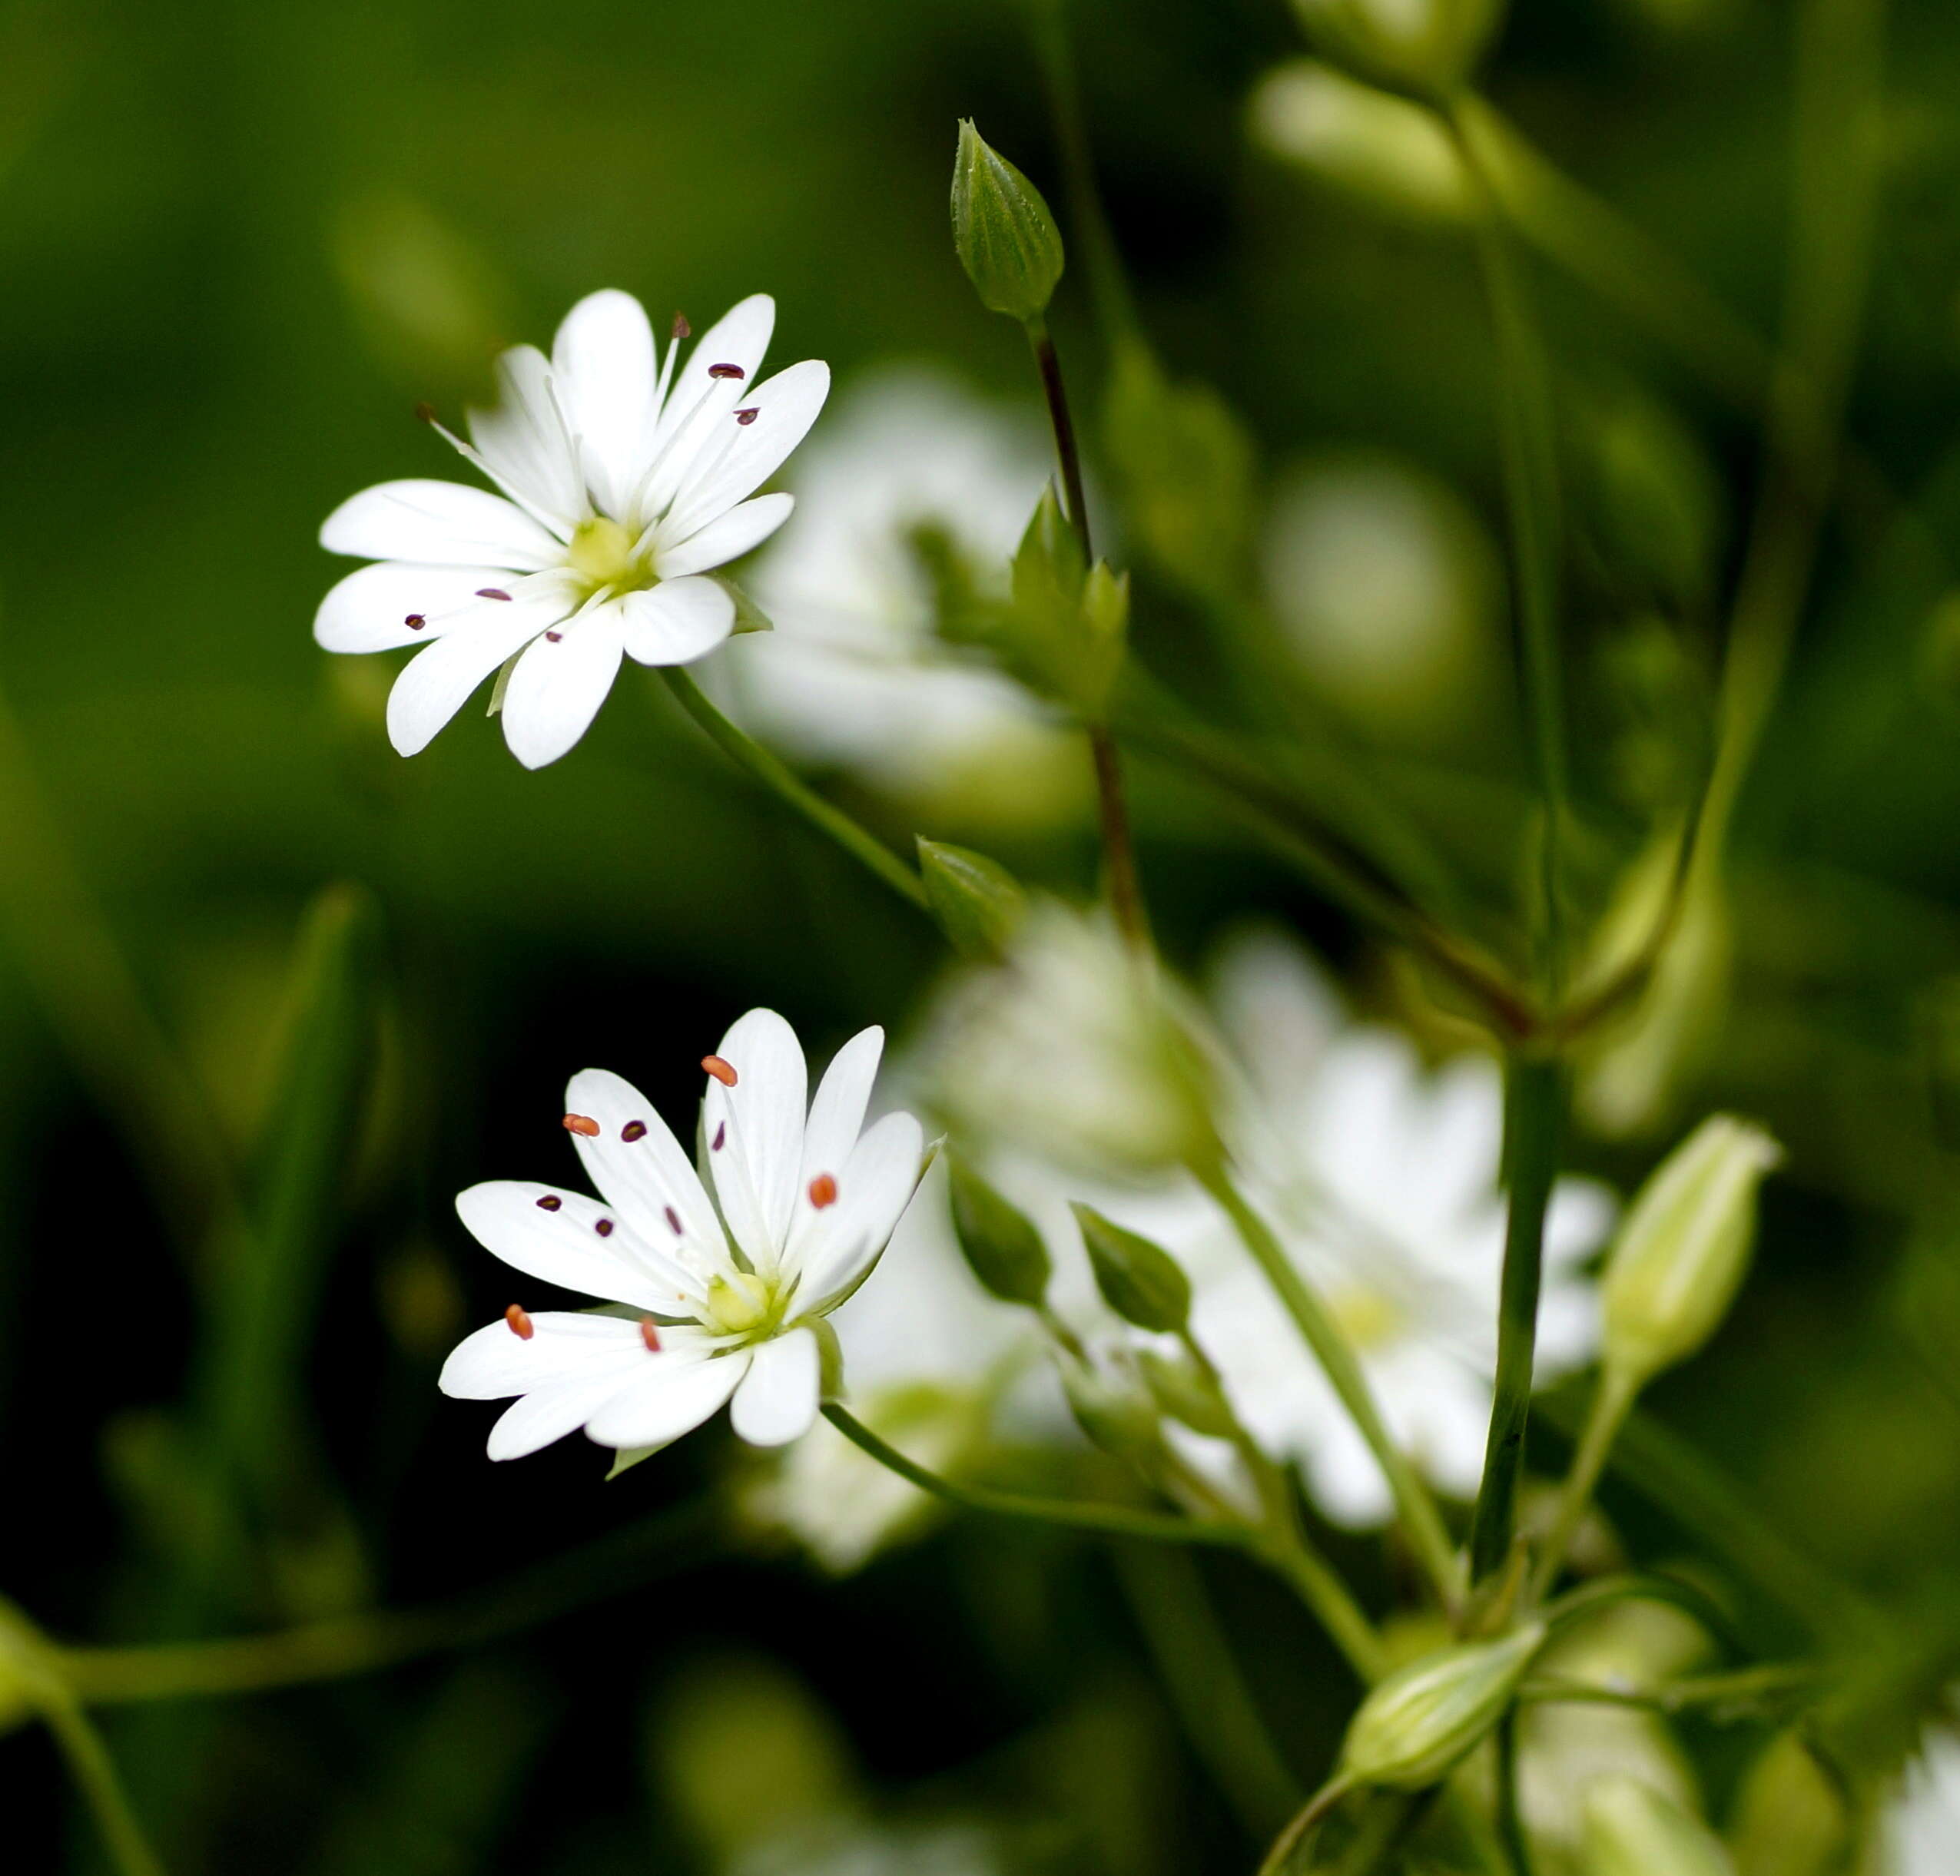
1683, 1249
1415, 1724
1427, 46
1000, 1243
1360, 140
1634, 1830
1006, 239
1185, 1392
977, 902
1141, 1281
1118, 1420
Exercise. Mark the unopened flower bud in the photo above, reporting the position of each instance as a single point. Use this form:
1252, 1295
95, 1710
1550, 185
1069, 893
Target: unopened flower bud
976, 901
1185, 1392
1120, 1420
1141, 1281
1681, 1254
1415, 1724
1006, 239
1634, 1830
1360, 139
1000, 1243
1427, 46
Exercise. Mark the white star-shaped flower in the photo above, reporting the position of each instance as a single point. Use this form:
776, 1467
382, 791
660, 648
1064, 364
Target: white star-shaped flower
624, 482
724, 1294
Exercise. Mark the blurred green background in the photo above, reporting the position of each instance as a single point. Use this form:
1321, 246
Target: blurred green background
238, 243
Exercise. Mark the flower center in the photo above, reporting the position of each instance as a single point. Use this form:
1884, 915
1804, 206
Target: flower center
740, 1304
602, 555
1369, 1318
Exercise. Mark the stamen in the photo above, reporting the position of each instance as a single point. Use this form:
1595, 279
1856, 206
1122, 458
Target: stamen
550, 1202
581, 1123
425, 413
722, 1072
749, 415
650, 1334
721, 1134
556, 637
520, 1323
823, 1191
633, 1130
726, 371
415, 621
674, 1220
681, 328
603, 1226
492, 592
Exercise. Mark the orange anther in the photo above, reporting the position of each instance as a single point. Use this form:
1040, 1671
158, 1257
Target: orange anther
581, 1123
650, 1334
823, 1191
520, 1323
715, 1066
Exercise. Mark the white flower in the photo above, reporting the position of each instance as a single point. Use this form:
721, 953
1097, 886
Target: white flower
854, 674
723, 1293
624, 483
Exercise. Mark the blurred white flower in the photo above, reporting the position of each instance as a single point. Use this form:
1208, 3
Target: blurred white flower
853, 674
1379, 1175
725, 1295
1387, 587
1921, 1824
1070, 1049
624, 484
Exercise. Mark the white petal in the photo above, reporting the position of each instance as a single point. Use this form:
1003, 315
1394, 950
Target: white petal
436, 683
873, 1190
563, 1346
776, 1401
603, 356
837, 1115
726, 538
758, 1123
649, 1176
439, 523
369, 610
524, 442
562, 1243
672, 1394
556, 687
739, 337
549, 1414
1578, 1221
783, 408
676, 620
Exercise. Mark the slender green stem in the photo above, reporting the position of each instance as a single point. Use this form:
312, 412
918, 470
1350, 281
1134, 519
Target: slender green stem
1531, 492
1202, 1675
1279, 1858
1422, 1522
1289, 1551
1511, 1816
776, 776
94, 1776
1748, 1693
1120, 881
1534, 1106
333, 1650
1613, 1400
1104, 1521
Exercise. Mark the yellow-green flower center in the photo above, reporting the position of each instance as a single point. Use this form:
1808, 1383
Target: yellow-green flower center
739, 1304
602, 555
